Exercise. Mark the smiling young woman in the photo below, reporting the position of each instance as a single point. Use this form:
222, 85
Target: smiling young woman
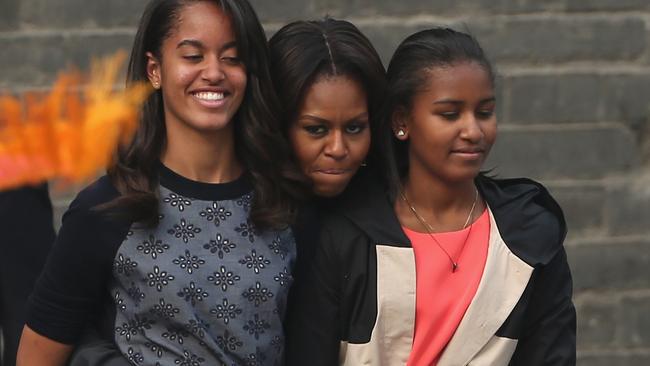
187, 235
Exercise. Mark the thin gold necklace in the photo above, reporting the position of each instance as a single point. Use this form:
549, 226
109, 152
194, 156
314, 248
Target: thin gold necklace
429, 229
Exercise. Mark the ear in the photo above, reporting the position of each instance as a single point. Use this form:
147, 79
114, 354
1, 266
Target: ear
400, 123
153, 70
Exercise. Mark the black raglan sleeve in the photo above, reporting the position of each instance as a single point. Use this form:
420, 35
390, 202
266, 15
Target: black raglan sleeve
27, 235
550, 335
73, 283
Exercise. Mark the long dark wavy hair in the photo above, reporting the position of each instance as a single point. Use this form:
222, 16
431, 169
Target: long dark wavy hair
408, 75
259, 143
304, 51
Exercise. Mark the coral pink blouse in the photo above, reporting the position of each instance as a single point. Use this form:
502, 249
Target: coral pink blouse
443, 296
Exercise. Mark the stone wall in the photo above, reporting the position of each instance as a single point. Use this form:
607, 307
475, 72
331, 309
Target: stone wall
574, 106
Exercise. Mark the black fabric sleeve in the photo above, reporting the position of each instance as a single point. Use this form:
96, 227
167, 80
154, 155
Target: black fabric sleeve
27, 235
74, 281
313, 324
550, 334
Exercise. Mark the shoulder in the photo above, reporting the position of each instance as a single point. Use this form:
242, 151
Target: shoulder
99, 192
85, 217
529, 219
366, 208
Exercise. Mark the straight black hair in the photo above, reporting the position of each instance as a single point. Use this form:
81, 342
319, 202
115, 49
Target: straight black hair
407, 75
258, 138
302, 52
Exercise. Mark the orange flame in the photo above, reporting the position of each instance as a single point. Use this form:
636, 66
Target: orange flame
70, 133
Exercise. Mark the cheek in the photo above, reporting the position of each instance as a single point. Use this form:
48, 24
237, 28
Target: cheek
490, 133
359, 147
178, 75
238, 78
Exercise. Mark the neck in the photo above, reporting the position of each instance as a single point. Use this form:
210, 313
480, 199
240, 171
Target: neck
444, 205
207, 157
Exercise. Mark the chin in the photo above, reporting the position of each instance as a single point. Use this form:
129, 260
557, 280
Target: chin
328, 190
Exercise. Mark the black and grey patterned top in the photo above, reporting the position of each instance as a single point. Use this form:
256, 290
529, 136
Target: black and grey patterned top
202, 288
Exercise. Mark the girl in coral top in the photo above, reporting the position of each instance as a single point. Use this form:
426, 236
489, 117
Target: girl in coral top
444, 266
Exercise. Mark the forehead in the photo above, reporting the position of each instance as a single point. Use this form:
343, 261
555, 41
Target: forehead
341, 91
468, 78
203, 21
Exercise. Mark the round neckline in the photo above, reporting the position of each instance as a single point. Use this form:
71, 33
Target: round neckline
201, 190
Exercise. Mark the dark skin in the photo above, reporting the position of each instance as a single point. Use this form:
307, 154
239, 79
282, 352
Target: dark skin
451, 127
203, 84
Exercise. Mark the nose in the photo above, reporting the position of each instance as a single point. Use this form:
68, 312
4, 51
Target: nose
335, 146
213, 71
471, 129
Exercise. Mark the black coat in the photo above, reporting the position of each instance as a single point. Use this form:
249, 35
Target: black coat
357, 304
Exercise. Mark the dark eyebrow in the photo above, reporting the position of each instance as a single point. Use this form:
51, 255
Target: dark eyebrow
229, 45
460, 102
488, 100
190, 42
322, 120
199, 44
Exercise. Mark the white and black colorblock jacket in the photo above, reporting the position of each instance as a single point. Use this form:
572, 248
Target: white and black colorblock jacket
357, 304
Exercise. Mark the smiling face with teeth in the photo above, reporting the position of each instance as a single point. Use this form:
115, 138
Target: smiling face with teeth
201, 78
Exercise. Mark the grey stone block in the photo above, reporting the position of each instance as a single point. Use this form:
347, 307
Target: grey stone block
387, 38
621, 358
284, 11
606, 5
579, 98
561, 153
623, 265
646, 57
628, 207
583, 208
9, 14
555, 40
81, 13
635, 322
35, 61
444, 7
597, 323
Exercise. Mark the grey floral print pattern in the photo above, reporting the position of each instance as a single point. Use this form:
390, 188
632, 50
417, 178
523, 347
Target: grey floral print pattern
203, 287
184, 231
215, 213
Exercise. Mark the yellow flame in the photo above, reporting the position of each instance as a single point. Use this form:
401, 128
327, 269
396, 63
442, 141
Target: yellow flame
70, 133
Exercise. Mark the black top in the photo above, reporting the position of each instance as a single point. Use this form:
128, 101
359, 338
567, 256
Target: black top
203, 286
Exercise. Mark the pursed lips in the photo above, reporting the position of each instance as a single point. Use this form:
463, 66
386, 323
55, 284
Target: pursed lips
332, 171
470, 152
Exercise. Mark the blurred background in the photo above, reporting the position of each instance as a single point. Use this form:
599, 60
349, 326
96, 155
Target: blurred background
574, 112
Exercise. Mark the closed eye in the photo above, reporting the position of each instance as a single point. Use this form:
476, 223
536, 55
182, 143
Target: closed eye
231, 60
485, 114
450, 116
193, 58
